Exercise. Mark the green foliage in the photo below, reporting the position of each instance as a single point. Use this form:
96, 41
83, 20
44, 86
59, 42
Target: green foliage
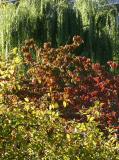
58, 21
29, 133
41, 20
100, 29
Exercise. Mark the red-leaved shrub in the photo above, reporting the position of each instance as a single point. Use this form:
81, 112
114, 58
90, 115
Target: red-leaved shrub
67, 82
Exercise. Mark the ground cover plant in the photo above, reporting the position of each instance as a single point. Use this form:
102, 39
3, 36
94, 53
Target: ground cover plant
30, 133
48, 94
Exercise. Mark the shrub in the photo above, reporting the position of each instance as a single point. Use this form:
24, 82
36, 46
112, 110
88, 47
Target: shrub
55, 77
29, 133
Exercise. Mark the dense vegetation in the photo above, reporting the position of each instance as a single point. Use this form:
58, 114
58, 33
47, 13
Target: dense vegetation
55, 105
58, 21
57, 102
30, 133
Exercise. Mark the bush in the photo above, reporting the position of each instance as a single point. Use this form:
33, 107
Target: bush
46, 96
55, 77
29, 133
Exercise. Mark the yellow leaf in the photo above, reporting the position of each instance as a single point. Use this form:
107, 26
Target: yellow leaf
50, 89
39, 81
17, 60
68, 136
101, 104
15, 50
56, 105
64, 103
2, 110
49, 94
91, 119
57, 114
18, 87
1, 95
27, 107
26, 99
11, 71
53, 105
50, 107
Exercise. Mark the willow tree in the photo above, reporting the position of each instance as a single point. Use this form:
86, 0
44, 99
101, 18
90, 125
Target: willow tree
43, 20
99, 23
69, 22
105, 22
49, 18
16, 23
7, 15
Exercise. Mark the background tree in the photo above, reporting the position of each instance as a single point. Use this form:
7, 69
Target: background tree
58, 21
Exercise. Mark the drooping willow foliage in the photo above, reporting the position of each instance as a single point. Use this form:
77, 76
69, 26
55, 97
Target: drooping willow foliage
43, 20
6, 18
58, 21
100, 30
